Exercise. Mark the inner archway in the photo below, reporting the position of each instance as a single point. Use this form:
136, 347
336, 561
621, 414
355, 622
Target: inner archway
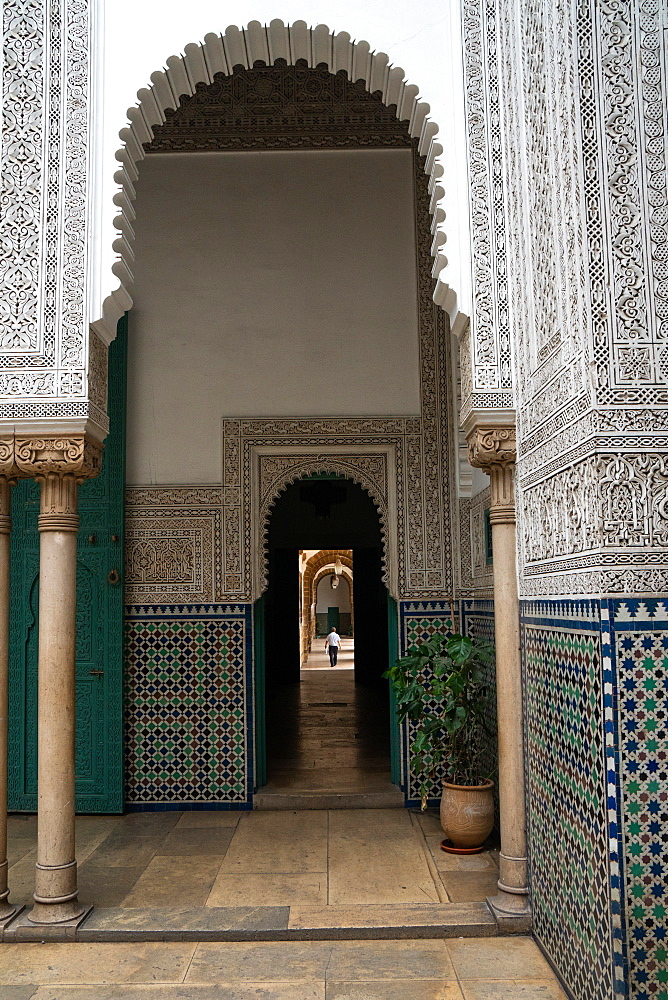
327, 732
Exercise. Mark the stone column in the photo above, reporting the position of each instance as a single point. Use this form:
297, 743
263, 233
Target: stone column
6, 483
59, 466
493, 450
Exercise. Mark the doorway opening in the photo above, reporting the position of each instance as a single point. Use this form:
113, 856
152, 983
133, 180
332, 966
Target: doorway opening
325, 731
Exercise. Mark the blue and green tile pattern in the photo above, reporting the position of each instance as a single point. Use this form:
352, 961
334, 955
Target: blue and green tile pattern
188, 705
641, 647
567, 793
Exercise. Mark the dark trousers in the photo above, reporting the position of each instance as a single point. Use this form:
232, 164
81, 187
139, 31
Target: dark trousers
333, 653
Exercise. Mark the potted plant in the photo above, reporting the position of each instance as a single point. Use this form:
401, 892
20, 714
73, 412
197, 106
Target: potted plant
440, 690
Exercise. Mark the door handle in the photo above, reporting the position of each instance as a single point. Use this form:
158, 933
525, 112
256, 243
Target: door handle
113, 576
96, 673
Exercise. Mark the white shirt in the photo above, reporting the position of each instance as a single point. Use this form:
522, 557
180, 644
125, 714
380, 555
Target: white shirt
333, 639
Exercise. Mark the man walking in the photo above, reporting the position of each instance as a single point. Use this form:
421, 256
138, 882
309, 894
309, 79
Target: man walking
332, 644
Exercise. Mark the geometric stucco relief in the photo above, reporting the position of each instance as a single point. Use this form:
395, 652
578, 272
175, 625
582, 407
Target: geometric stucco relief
477, 575
172, 545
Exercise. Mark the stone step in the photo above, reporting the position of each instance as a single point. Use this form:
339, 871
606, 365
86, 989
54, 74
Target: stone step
265, 923
389, 799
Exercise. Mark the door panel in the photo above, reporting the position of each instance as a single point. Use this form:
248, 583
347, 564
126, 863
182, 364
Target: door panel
99, 639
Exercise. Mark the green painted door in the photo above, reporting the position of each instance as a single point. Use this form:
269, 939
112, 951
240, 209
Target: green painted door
260, 721
332, 619
393, 655
99, 644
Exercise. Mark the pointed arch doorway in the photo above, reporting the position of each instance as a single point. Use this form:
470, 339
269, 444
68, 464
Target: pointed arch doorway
322, 736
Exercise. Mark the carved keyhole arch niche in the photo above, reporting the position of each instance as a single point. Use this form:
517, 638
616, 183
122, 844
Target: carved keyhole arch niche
372, 471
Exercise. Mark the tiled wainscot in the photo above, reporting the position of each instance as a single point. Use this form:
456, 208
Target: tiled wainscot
188, 704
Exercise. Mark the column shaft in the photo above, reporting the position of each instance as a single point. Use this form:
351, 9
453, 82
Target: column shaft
513, 862
493, 449
56, 874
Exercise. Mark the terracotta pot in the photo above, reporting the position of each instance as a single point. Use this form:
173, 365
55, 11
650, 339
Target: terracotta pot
467, 813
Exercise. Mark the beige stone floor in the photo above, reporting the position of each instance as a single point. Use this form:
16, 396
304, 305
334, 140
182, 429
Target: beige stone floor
461, 969
292, 858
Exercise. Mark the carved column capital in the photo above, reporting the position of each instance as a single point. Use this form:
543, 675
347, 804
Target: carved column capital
490, 446
494, 450
75, 455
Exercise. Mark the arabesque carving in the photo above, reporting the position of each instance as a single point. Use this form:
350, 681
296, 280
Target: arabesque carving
74, 455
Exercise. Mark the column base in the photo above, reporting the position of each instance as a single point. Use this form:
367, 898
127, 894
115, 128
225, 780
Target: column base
511, 912
56, 913
8, 912
22, 929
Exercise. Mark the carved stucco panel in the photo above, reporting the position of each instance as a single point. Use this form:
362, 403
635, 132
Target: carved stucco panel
44, 218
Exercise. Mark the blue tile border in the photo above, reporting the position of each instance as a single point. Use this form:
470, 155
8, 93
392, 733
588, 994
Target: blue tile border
188, 807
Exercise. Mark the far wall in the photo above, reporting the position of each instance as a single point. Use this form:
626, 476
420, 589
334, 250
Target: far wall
267, 284
328, 598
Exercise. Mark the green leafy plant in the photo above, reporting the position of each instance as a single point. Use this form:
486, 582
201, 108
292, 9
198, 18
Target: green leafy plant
439, 687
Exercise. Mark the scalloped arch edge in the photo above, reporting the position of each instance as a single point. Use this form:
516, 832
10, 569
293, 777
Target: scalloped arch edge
348, 470
318, 46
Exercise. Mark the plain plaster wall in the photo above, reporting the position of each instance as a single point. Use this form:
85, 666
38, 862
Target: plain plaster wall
328, 598
267, 284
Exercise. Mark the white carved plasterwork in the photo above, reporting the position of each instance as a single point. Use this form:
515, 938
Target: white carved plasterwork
583, 145
634, 134
600, 525
45, 182
477, 577
490, 372
173, 544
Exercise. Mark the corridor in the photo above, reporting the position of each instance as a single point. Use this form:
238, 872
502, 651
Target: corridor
328, 734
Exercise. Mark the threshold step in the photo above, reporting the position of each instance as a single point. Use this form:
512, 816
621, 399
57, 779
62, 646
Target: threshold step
267, 923
390, 799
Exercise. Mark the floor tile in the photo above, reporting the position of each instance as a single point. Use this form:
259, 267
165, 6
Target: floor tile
197, 841
509, 989
94, 963
122, 849
472, 886
21, 881
269, 890
359, 961
91, 832
375, 857
213, 817
290, 961
278, 842
498, 958
451, 915
406, 989
19, 992
430, 821
104, 886
175, 881
137, 824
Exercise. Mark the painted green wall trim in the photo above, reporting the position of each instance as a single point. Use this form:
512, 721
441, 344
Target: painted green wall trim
259, 706
393, 655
